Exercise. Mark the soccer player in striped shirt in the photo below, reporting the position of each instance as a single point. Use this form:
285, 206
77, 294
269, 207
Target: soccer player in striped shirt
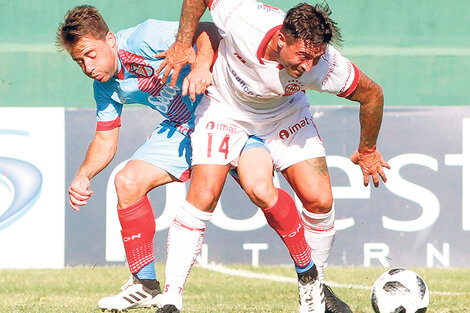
123, 67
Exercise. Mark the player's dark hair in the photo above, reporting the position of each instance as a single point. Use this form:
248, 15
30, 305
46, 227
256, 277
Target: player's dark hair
312, 24
78, 22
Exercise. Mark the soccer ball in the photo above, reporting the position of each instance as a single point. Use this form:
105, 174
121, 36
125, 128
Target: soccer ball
399, 291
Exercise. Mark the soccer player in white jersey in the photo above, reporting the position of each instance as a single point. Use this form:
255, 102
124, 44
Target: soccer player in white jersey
265, 61
123, 68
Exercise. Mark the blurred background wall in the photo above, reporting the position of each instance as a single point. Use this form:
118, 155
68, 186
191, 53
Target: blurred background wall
417, 50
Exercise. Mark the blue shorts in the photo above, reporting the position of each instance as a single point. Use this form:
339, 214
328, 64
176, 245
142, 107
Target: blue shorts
169, 150
252, 142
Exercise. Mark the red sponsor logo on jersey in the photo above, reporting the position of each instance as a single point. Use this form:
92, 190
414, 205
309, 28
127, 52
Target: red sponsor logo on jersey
210, 125
292, 87
285, 133
239, 57
222, 127
141, 70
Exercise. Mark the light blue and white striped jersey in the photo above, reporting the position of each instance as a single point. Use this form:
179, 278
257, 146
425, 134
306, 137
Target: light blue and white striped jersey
137, 81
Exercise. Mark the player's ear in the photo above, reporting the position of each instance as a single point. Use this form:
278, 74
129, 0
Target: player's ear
281, 40
111, 39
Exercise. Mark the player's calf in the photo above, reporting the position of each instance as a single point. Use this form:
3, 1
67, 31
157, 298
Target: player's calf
284, 218
138, 229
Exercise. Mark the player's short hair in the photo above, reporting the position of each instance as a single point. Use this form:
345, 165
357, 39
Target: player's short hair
78, 22
312, 24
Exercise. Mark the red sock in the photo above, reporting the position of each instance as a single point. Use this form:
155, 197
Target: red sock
284, 218
138, 229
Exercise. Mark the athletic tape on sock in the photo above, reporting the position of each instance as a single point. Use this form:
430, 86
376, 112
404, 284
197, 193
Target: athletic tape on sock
184, 242
320, 223
320, 235
191, 216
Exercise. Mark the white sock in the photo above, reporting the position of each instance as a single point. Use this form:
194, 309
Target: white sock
320, 235
185, 237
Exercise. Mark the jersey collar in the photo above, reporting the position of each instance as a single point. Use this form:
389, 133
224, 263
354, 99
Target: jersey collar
264, 42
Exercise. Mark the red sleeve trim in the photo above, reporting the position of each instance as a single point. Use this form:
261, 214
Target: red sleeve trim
109, 125
264, 42
353, 85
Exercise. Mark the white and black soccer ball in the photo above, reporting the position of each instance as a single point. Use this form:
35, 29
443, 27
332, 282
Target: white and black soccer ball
399, 291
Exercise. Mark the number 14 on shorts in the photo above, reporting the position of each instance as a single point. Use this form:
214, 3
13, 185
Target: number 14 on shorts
223, 146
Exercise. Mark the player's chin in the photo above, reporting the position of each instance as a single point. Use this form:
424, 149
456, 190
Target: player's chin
295, 74
104, 79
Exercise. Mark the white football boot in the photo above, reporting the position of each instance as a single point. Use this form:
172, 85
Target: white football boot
311, 294
134, 295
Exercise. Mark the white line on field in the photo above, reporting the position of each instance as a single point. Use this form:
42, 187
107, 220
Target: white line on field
279, 278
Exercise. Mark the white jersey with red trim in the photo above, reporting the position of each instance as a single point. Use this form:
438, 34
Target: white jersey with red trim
259, 89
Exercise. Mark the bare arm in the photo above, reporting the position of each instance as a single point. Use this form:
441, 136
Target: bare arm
191, 13
200, 77
207, 40
369, 94
99, 154
182, 52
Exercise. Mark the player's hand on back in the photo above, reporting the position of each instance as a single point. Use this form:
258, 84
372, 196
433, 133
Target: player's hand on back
79, 192
177, 56
371, 164
196, 82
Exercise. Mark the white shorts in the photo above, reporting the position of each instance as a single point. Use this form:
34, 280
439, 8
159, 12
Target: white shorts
219, 139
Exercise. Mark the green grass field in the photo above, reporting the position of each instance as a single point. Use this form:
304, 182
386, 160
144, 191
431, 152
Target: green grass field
78, 289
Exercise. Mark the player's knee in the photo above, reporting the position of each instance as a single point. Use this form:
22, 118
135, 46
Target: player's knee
261, 193
126, 182
321, 204
206, 199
